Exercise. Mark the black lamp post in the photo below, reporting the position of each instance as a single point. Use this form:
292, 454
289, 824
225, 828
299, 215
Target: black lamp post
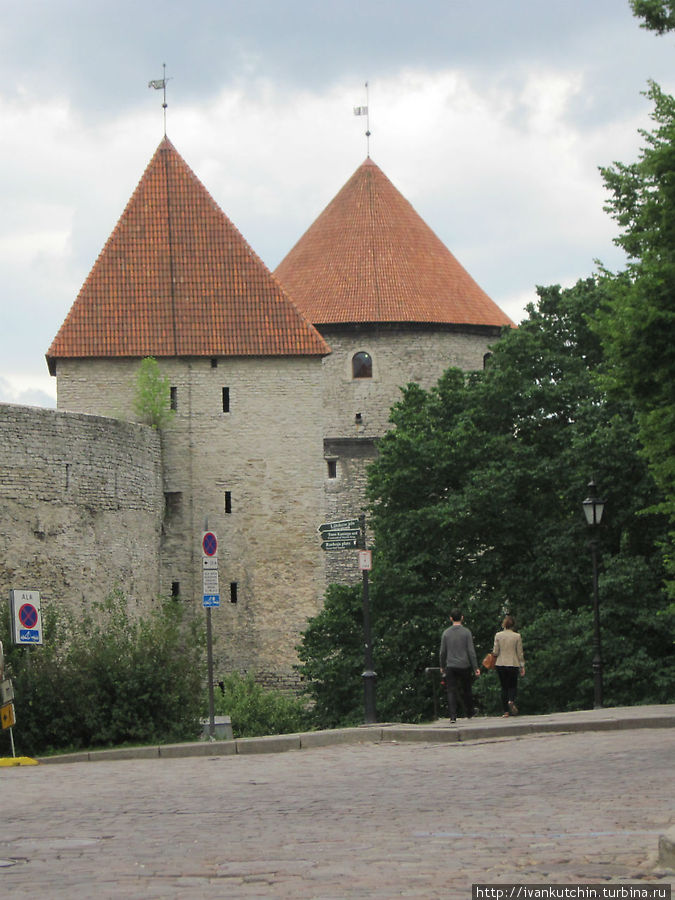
593, 509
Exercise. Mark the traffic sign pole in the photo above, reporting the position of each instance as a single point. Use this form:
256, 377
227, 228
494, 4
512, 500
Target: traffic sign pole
209, 551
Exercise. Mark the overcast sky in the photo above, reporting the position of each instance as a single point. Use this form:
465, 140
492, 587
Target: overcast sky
492, 118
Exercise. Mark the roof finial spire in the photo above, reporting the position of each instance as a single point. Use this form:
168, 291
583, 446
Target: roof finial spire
363, 111
159, 84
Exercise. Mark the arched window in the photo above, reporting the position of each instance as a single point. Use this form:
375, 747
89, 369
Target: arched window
362, 365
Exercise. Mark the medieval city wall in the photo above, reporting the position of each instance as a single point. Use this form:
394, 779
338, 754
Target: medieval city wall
80, 506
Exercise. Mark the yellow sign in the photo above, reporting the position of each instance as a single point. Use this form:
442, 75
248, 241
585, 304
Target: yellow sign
7, 715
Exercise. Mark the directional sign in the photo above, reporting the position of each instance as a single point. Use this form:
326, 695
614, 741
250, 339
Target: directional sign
344, 535
350, 524
26, 617
340, 545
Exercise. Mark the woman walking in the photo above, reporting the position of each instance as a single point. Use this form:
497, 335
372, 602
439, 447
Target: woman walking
508, 649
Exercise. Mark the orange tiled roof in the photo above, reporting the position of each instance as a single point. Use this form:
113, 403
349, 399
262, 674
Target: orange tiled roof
369, 257
176, 278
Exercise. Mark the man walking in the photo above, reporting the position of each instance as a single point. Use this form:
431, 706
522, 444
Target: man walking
457, 659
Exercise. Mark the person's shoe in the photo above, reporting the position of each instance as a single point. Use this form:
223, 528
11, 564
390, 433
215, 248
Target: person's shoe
505, 716
513, 708
453, 721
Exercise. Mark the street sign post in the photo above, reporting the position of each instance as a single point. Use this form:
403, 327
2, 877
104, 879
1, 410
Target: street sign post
26, 617
340, 545
209, 544
342, 525
7, 716
346, 534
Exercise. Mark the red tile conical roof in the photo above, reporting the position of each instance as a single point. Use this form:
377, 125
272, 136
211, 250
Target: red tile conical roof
369, 257
176, 278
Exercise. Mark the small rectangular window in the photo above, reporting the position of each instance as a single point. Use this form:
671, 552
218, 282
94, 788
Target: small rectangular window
226, 399
173, 501
233, 592
175, 589
228, 501
214, 362
173, 398
332, 468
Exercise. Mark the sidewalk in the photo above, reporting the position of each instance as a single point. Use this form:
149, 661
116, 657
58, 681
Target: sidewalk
441, 731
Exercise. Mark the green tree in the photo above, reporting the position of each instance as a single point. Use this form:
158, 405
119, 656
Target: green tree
152, 399
658, 15
637, 320
476, 501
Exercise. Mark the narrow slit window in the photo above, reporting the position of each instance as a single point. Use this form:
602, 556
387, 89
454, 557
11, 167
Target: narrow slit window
173, 398
228, 501
233, 592
362, 365
175, 589
332, 468
226, 399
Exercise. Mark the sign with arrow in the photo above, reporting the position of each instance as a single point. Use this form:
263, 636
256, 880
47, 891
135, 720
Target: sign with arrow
345, 534
342, 525
340, 545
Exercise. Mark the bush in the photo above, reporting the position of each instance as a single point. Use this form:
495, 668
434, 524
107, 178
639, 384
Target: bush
106, 678
254, 711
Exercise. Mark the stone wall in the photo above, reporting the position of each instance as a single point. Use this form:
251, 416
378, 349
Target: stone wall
357, 410
359, 407
80, 506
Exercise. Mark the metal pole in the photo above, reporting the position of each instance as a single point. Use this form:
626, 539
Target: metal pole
369, 676
209, 663
209, 658
597, 649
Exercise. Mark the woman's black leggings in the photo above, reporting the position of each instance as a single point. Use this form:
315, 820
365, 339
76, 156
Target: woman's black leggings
508, 679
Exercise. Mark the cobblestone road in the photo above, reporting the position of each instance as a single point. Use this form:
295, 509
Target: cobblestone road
359, 821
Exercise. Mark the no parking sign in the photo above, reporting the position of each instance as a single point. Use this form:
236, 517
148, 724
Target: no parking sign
26, 617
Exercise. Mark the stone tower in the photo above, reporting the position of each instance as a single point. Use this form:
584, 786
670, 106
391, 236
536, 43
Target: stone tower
395, 306
177, 281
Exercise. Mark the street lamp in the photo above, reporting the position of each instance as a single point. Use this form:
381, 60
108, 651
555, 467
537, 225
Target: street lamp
593, 509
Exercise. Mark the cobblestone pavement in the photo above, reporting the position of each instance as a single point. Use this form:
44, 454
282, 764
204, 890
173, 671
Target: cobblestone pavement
375, 820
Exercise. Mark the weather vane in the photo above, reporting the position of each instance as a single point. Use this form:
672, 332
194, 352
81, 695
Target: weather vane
363, 111
159, 84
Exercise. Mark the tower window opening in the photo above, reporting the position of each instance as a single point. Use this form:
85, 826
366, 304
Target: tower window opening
233, 592
226, 399
228, 501
175, 590
214, 362
332, 468
362, 365
173, 398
